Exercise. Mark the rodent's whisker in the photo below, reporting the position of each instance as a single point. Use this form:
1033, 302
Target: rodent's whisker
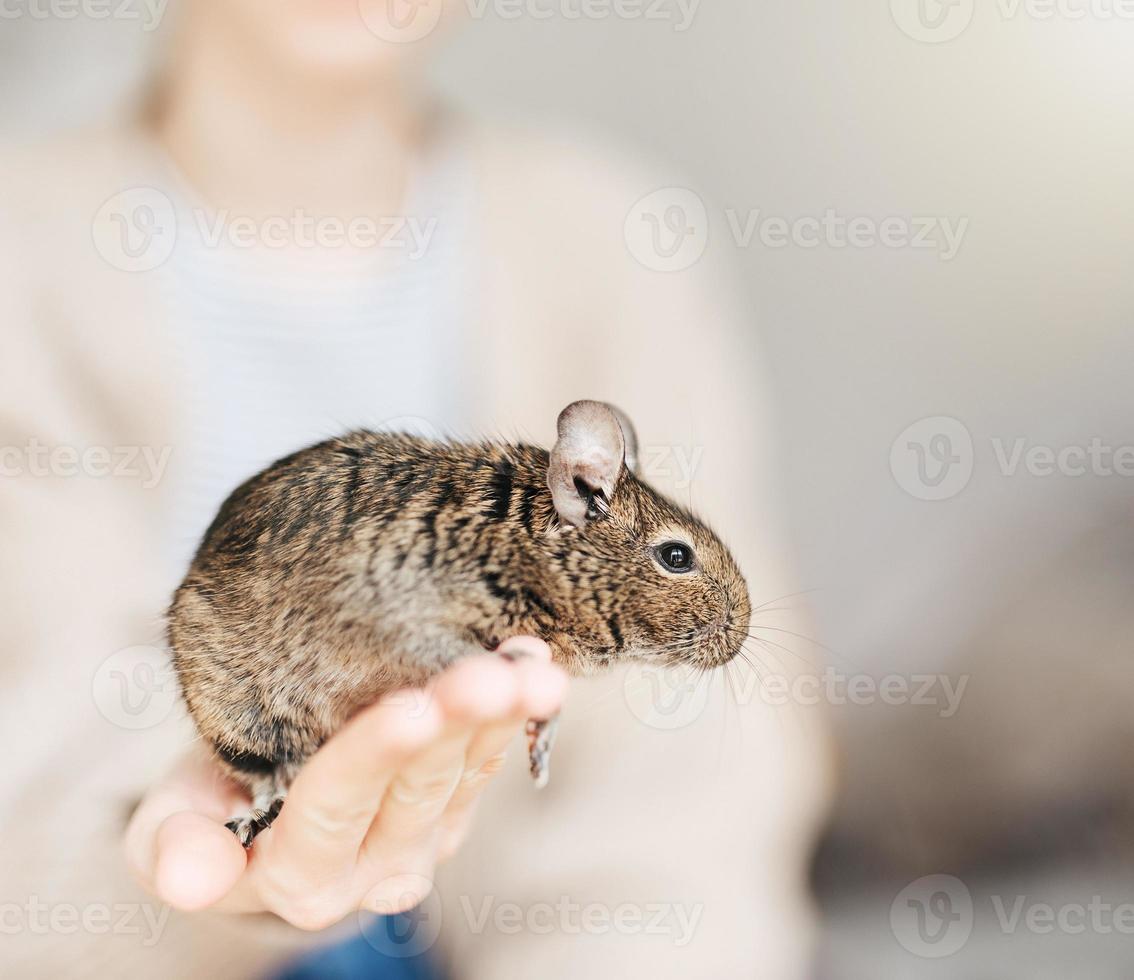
746, 658
766, 643
790, 595
808, 639
778, 629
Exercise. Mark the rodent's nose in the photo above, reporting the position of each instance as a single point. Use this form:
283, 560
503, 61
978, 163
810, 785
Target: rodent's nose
734, 627
734, 612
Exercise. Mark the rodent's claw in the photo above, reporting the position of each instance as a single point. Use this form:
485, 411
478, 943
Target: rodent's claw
248, 826
541, 739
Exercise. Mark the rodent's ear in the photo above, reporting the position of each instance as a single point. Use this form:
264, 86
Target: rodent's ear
629, 438
587, 458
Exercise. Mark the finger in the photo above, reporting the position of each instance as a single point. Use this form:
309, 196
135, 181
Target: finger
478, 690
333, 800
473, 694
525, 646
542, 688
194, 785
407, 820
485, 753
198, 861
457, 820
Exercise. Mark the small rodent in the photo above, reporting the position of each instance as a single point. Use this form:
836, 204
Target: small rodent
370, 562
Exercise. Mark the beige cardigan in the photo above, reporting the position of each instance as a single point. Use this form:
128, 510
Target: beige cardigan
716, 817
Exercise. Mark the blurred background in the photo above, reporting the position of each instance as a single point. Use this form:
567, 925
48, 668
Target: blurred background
927, 209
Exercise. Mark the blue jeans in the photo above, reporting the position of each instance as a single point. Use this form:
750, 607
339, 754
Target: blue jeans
385, 951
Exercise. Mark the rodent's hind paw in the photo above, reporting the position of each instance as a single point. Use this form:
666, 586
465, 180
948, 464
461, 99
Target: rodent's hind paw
541, 739
247, 827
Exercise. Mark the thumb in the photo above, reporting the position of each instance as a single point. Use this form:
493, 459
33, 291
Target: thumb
197, 861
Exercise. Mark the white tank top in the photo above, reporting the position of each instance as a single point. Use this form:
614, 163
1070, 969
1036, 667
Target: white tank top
278, 352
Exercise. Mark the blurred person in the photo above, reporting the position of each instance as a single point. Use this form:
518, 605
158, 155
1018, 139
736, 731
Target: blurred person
182, 299
1030, 771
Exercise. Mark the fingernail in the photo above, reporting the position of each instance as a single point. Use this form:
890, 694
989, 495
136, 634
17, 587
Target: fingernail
518, 647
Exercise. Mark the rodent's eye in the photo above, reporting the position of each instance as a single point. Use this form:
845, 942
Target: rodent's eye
675, 556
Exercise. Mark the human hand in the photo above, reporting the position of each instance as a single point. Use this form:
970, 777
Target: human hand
369, 815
